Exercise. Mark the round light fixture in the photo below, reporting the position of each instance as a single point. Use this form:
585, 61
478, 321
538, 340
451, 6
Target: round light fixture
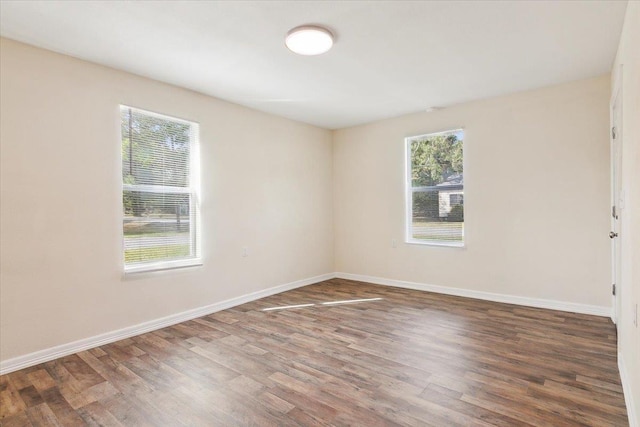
309, 40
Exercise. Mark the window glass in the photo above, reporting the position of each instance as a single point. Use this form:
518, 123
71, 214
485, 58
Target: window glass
159, 191
435, 188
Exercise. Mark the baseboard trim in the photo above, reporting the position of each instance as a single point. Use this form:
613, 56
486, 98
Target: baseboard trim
52, 353
488, 296
628, 396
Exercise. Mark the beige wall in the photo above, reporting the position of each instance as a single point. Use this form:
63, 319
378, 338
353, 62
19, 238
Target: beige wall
629, 334
266, 184
536, 197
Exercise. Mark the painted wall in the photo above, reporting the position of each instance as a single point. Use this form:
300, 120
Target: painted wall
536, 197
266, 185
629, 333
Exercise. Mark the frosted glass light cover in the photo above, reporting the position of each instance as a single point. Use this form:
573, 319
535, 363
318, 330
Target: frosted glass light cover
309, 40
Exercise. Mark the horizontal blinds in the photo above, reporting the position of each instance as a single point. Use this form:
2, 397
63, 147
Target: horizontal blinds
159, 190
436, 188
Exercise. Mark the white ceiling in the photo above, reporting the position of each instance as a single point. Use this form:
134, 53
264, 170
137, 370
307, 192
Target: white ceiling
390, 58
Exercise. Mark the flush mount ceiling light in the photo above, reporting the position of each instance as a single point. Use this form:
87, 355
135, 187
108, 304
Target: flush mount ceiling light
309, 40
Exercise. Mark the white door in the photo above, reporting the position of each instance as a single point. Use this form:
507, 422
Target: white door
617, 201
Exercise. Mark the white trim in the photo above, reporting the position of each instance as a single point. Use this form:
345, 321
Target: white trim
48, 354
616, 256
628, 396
195, 214
193, 189
409, 191
148, 267
441, 132
488, 296
435, 243
408, 194
159, 115
144, 188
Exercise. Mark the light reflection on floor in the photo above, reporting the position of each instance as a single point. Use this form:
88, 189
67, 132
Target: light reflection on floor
349, 301
284, 307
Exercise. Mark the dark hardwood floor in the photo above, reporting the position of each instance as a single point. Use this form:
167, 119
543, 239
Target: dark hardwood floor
406, 358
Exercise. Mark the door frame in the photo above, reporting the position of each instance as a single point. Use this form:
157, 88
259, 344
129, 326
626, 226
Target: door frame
616, 146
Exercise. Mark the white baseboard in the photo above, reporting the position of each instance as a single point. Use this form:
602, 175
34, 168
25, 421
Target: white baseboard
488, 296
31, 359
48, 354
628, 396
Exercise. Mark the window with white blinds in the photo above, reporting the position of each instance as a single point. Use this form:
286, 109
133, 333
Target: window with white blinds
435, 188
160, 191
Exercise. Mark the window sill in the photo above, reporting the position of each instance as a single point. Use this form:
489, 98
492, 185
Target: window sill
161, 266
435, 243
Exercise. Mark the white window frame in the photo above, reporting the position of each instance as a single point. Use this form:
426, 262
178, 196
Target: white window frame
193, 189
409, 192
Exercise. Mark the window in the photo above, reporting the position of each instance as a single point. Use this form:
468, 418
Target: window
160, 186
435, 189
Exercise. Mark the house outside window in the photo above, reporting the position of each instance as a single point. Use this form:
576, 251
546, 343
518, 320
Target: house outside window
435, 189
160, 191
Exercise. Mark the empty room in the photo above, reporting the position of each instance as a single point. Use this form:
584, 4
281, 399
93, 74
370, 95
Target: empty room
319, 213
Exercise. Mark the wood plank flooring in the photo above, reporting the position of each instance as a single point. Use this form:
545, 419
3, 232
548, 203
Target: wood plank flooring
404, 357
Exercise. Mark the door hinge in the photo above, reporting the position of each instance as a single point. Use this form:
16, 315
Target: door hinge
613, 289
613, 132
613, 212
